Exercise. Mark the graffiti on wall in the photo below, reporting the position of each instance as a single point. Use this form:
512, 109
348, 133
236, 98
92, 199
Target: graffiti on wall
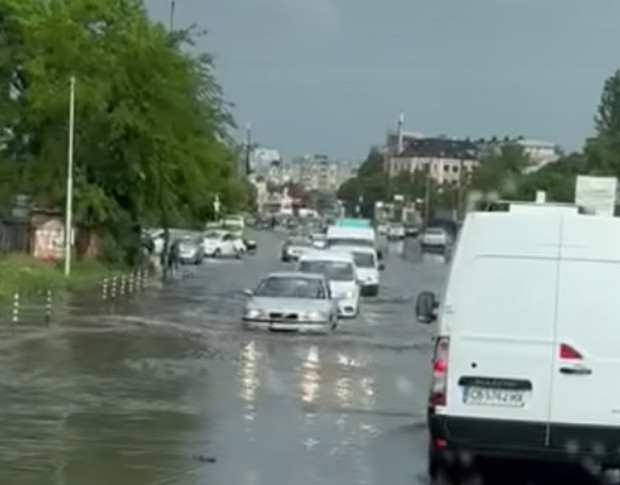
49, 240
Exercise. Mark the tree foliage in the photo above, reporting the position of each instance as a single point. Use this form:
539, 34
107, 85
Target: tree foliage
151, 143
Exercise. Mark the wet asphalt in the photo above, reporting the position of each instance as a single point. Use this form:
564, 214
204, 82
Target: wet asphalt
167, 389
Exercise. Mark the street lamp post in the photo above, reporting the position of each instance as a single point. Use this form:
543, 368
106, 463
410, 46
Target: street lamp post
248, 148
69, 201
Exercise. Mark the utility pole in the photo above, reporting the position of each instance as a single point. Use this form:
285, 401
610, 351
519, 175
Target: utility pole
162, 205
427, 195
69, 202
173, 5
248, 148
460, 192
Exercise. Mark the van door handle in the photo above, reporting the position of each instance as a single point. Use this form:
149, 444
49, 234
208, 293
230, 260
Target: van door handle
576, 371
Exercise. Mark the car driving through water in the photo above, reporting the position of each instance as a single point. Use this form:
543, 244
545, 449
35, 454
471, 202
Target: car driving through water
339, 269
291, 301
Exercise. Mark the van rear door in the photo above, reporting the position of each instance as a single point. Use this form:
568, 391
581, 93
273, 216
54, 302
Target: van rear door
585, 406
499, 313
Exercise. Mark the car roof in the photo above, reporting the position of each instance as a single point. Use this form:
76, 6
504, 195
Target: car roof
328, 255
296, 274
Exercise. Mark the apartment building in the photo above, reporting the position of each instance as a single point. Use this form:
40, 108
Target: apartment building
447, 160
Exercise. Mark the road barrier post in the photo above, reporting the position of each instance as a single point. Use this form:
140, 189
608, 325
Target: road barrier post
122, 285
15, 317
113, 287
48, 306
104, 289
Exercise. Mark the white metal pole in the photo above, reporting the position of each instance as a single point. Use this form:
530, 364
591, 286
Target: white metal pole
69, 206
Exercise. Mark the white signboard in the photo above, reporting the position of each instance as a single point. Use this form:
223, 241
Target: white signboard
596, 194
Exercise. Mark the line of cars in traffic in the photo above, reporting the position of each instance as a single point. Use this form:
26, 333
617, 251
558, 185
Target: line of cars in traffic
332, 271
219, 240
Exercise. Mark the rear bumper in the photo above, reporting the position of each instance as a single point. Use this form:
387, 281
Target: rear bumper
524, 440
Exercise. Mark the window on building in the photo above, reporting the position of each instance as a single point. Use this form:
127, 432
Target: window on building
455, 168
446, 168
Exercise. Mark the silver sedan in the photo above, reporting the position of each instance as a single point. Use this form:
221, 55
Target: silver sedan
292, 301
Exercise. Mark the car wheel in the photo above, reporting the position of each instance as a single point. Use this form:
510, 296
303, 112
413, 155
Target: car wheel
238, 254
217, 253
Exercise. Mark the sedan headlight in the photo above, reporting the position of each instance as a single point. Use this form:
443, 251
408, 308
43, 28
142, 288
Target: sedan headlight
253, 313
316, 316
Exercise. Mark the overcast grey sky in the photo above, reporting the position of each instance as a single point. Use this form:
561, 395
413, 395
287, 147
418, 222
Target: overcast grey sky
331, 76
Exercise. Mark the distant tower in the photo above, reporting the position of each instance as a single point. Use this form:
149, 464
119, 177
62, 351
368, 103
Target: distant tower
399, 131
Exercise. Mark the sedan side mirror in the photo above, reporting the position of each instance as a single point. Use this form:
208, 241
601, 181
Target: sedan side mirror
248, 292
381, 266
426, 307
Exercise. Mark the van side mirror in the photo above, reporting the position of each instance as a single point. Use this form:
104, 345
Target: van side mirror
380, 255
248, 292
381, 266
426, 307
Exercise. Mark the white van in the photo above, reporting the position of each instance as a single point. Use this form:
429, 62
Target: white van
527, 356
367, 267
339, 268
350, 236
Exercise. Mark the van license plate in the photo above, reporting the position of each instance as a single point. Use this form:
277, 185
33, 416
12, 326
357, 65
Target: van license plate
480, 396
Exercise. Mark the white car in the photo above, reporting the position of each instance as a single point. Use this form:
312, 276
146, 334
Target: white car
527, 348
291, 301
396, 231
319, 240
221, 243
339, 269
434, 238
367, 268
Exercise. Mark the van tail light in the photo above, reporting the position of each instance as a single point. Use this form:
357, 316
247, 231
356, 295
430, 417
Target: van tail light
568, 352
440, 372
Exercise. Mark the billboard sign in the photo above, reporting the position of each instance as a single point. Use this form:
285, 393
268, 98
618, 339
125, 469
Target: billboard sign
597, 195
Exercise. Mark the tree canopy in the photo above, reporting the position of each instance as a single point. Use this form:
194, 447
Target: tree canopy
151, 122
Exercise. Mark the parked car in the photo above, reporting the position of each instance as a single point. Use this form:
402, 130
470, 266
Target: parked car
396, 231
221, 243
191, 250
291, 301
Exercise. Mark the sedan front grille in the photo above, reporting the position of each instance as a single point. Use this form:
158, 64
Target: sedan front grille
283, 316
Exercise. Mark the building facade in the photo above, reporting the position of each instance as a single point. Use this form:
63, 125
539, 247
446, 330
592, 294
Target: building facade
447, 160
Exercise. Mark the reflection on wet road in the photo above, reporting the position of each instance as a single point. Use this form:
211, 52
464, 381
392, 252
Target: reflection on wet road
169, 390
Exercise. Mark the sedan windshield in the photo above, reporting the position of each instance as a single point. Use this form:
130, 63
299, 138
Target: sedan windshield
435, 231
333, 270
291, 287
364, 260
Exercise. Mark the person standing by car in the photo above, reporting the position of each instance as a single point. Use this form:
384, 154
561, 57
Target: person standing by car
174, 257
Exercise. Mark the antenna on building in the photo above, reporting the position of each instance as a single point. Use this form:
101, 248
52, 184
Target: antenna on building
401, 122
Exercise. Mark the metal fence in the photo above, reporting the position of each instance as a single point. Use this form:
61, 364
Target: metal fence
15, 237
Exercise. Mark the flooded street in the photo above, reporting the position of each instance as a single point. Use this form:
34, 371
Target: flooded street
169, 390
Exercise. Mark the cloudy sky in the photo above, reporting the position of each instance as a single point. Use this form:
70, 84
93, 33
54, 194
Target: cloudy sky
331, 76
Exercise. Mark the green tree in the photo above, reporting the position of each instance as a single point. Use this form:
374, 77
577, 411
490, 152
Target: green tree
152, 141
500, 170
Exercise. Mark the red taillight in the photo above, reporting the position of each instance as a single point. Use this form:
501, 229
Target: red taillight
568, 352
440, 372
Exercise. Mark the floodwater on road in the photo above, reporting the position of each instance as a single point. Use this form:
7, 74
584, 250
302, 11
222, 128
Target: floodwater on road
168, 389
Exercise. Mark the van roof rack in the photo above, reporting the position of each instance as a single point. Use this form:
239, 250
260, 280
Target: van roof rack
504, 205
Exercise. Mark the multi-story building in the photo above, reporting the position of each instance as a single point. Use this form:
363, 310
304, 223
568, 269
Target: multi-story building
447, 160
